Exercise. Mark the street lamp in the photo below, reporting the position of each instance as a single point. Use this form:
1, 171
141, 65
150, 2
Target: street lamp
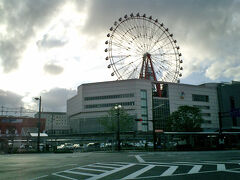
118, 107
39, 123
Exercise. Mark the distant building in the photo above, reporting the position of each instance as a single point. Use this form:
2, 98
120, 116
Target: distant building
138, 98
56, 122
229, 100
18, 125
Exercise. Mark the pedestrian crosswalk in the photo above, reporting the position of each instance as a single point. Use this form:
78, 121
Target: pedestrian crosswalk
125, 170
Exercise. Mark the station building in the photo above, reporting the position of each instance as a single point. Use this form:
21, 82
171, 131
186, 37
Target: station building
139, 99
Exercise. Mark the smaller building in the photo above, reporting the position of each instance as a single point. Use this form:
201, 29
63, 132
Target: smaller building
56, 122
10, 125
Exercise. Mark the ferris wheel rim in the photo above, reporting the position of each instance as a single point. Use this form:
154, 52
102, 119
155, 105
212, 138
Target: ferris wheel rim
164, 31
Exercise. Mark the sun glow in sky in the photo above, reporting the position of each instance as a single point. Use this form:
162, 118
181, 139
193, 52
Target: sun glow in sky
49, 48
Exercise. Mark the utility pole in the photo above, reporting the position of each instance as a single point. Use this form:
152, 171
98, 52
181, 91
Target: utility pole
118, 126
39, 123
52, 125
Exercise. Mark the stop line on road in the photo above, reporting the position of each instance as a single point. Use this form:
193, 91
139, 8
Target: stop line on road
124, 170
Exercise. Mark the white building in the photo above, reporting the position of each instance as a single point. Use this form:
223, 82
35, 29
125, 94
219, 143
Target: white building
56, 122
93, 100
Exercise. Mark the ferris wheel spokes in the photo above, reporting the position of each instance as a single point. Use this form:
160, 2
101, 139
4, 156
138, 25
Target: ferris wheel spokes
141, 47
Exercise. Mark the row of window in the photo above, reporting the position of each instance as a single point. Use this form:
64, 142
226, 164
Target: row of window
90, 106
201, 107
144, 108
207, 122
116, 96
202, 98
206, 114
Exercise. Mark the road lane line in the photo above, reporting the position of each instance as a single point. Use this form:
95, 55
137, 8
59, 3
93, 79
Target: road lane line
110, 172
139, 172
169, 171
82, 168
79, 173
139, 159
65, 165
233, 171
55, 174
109, 164
98, 166
195, 169
221, 167
39, 177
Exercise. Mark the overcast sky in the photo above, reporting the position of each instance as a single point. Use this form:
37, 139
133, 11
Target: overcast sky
48, 48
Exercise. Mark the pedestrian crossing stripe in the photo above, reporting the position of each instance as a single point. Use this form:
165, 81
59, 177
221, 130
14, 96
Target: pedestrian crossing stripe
100, 170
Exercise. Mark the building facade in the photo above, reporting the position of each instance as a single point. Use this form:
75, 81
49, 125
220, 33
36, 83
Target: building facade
175, 95
56, 122
139, 99
10, 125
229, 101
95, 99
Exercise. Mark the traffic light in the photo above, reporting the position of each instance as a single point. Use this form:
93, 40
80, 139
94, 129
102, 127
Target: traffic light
138, 120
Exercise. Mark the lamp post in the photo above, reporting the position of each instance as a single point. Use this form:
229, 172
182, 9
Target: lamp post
39, 123
118, 107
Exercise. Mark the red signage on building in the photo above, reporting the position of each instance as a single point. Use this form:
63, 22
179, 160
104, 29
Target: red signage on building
10, 125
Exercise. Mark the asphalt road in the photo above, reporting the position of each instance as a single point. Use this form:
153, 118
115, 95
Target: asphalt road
218, 165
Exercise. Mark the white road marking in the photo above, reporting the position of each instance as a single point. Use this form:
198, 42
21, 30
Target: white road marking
40, 177
79, 173
98, 166
221, 167
101, 170
109, 164
83, 168
233, 171
65, 165
139, 159
139, 172
169, 171
66, 177
110, 172
195, 169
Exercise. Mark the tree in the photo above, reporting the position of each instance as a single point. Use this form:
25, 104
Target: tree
185, 119
109, 121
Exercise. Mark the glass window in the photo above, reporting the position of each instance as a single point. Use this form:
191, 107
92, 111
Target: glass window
144, 111
143, 94
108, 105
202, 98
201, 107
115, 96
144, 103
206, 114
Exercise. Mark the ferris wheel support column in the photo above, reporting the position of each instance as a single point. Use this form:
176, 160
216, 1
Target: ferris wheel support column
147, 62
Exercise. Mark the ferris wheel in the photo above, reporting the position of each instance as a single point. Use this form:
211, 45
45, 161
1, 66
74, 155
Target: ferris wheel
141, 47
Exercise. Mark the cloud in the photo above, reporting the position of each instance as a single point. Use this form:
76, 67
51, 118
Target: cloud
10, 99
48, 42
56, 99
208, 32
230, 68
53, 69
19, 22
